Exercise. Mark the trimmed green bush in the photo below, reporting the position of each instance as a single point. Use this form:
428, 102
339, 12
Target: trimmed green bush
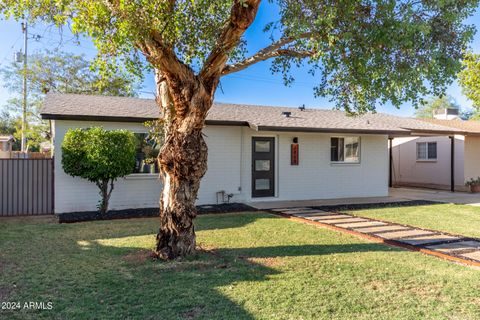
100, 156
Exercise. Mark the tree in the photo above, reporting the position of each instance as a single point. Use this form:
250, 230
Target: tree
469, 78
62, 72
100, 156
362, 52
427, 110
470, 114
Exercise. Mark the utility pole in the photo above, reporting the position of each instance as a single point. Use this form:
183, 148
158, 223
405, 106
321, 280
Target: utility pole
24, 111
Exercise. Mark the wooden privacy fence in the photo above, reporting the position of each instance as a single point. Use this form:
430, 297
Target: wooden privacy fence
26, 187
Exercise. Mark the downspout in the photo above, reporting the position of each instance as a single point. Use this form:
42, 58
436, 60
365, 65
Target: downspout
390, 162
452, 163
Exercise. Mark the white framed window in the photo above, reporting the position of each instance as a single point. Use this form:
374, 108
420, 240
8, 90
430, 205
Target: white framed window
345, 149
426, 151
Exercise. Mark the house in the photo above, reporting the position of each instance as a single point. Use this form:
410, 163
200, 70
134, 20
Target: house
256, 153
6, 145
427, 161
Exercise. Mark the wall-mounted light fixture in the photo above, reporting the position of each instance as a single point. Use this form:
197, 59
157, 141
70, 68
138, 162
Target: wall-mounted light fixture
294, 152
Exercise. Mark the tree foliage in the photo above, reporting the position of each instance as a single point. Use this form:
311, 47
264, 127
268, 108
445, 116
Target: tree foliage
427, 110
56, 71
469, 78
362, 52
100, 156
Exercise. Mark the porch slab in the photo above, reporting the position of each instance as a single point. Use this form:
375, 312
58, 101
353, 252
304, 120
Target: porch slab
363, 224
277, 205
456, 246
472, 255
404, 234
428, 239
382, 228
395, 195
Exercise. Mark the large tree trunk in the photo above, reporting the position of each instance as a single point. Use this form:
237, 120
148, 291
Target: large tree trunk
182, 162
184, 99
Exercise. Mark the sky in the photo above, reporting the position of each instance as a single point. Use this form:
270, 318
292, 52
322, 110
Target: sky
254, 85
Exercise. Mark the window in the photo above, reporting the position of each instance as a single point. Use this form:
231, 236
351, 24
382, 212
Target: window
426, 151
146, 154
345, 149
262, 146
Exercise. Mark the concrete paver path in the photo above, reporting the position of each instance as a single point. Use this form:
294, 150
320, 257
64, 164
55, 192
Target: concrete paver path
452, 247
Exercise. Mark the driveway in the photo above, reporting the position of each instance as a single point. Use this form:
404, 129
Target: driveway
436, 195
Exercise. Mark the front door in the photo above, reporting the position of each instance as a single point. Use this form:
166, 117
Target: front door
263, 167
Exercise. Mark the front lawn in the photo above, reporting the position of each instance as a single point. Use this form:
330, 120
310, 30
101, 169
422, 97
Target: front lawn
252, 266
452, 218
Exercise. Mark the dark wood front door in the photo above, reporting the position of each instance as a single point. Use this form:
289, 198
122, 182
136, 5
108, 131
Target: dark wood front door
263, 167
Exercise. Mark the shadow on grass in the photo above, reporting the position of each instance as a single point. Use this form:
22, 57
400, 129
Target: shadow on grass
88, 277
197, 287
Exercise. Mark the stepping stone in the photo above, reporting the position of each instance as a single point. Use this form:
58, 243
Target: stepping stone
355, 225
331, 216
381, 229
296, 210
456, 246
472, 255
313, 218
312, 214
428, 239
404, 233
340, 221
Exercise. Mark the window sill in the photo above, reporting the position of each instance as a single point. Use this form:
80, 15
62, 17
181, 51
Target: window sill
142, 176
429, 160
345, 163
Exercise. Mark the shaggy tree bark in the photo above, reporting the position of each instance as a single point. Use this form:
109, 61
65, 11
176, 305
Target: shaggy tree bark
182, 162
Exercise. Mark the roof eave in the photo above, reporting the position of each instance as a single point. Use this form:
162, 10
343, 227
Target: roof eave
331, 130
49, 116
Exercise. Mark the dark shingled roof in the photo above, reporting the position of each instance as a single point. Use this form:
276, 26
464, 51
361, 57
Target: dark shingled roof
261, 118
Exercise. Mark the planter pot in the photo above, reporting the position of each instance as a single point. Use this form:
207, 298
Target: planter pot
475, 188
153, 168
144, 167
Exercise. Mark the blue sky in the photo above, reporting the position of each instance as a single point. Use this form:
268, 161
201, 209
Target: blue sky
255, 85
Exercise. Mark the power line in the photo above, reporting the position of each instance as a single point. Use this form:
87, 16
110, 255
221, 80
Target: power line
9, 51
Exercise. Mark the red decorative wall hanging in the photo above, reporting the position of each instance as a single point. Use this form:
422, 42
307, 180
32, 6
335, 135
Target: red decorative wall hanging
294, 154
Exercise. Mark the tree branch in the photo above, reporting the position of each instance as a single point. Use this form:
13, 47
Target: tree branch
273, 50
242, 15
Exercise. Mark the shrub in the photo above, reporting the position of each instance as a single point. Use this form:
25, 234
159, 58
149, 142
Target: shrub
100, 156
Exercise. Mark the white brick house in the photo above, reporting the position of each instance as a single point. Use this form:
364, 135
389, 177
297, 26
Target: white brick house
252, 152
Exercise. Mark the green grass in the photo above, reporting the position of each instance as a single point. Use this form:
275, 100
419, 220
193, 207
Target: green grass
255, 266
452, 218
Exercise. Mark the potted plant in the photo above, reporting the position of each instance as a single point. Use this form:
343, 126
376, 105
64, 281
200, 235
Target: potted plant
150, 162
474, 184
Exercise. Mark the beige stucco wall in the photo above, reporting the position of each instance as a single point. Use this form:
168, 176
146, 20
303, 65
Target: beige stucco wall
472, 157
407, 170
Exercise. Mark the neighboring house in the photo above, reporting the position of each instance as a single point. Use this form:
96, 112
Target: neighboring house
256, 153
427, 161
6, 145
